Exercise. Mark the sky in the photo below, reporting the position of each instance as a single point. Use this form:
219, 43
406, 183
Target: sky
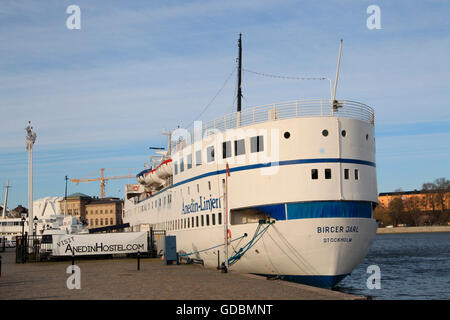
100, 96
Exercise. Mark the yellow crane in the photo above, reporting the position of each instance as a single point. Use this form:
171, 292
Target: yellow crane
102, 180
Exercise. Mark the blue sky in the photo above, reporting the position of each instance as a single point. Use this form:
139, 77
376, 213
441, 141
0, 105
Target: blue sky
98, 97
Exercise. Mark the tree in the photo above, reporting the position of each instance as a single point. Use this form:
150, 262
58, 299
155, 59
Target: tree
435, 195
414, 215
429, 189
442, 188
381, 214
395, 210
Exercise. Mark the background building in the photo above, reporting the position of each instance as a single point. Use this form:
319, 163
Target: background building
94, 212
414, 208
417, 200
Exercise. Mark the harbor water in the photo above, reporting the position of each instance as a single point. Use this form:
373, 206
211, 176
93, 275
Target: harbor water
412, 266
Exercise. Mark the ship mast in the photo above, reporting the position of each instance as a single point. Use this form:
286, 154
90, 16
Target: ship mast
239, 91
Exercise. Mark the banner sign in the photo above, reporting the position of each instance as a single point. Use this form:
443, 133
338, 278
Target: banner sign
96, 244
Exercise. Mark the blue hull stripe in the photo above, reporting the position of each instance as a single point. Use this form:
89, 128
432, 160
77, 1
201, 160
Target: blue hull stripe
278, 163
316, 281
329, 209
318, 209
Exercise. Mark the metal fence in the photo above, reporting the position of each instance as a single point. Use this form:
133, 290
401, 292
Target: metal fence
2, 244
156, 245
33, 248
39, 248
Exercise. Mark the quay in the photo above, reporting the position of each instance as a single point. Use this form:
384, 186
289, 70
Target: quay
119, 279
413, 229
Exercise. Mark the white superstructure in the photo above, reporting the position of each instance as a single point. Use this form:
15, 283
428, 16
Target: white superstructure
49, 220
297, 202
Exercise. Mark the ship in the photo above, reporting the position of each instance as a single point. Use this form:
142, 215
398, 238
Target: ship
283, 190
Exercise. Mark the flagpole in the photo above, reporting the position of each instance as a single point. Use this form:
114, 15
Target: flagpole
226, 230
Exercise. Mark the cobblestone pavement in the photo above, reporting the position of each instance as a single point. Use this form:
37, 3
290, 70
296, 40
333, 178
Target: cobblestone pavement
119, 279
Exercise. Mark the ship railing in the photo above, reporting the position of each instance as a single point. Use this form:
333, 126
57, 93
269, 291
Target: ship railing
283, 110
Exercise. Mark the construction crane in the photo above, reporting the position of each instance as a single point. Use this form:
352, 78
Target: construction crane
102, 180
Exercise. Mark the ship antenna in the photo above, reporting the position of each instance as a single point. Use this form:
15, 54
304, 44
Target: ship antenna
334, 102
239, 91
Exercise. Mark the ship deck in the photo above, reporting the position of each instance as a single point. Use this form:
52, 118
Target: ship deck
279, 111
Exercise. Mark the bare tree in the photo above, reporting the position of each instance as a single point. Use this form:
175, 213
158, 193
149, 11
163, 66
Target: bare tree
395, 210
414, 215
429, 189
442, 188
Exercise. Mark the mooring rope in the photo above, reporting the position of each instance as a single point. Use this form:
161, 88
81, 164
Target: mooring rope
219, 245
256, 237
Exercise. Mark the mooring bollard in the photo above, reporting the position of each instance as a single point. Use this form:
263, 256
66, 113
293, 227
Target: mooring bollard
139, 260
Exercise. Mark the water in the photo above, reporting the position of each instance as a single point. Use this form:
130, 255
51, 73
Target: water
413, 266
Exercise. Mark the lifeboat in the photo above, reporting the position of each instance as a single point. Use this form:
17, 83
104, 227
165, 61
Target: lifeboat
165, 169
140, 177
152, 179
155, 177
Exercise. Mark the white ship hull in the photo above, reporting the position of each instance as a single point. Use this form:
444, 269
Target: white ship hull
290, 249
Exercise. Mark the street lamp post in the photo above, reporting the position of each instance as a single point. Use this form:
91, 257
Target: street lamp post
30, 139
35, 226
65, 197
23, 225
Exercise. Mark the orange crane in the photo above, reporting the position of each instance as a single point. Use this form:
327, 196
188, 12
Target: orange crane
102, 180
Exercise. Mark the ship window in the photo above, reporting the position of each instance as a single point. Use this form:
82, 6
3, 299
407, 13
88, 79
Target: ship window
196, 221
314, 174
209, 185
356, 174
181, 164
226, 149
189, 161
198, 188
325, 132
198, 157
203, 221
184, 227
219, 218
344, 133
346, 173
175, 167
192, 222
207, 219
256, 144
213, 219
327, 173
210, 153
287, 135
189, 222
239, 147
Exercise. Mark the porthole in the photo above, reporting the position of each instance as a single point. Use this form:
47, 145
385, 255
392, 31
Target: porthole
344, 133
325, 132
287, 135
